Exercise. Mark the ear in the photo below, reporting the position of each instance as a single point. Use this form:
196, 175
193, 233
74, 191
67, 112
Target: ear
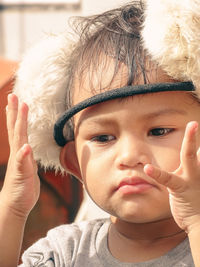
69, 160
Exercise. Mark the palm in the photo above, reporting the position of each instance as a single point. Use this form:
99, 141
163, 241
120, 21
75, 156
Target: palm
21, 186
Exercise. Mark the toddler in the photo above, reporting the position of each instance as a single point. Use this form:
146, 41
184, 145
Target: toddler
126, 126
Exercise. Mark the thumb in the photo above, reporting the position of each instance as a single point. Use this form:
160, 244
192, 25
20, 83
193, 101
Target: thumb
167, 179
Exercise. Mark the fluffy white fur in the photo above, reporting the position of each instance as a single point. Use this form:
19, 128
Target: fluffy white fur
172, 36
41, 83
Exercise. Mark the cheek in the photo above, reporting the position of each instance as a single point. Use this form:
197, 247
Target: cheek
93, 159
95, 172
166, 155
93, 164
169, 159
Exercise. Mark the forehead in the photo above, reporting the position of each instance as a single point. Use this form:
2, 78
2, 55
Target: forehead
140, 108
107, 77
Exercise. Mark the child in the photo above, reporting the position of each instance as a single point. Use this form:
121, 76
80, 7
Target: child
128, 133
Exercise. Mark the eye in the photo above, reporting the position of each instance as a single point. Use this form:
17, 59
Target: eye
160, 131
104, 138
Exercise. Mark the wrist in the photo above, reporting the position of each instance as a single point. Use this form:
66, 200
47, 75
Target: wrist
8, 213
194, 228
11, 235
194, 237
12, 208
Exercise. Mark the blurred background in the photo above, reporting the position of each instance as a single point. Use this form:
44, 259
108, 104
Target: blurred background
23, 23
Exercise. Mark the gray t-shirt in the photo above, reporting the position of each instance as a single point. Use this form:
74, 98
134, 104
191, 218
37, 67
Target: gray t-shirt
85, 245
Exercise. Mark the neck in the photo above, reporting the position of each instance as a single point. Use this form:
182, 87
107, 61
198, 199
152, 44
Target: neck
150, 231
136, 242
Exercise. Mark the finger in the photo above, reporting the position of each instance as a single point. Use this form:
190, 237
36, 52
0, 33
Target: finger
33, 160
189, 147
11, 116
20, 132
24, 160
167, 179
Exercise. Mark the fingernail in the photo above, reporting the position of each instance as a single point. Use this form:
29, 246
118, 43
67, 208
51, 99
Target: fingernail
23, 147
148, 169
193, 125
12, 96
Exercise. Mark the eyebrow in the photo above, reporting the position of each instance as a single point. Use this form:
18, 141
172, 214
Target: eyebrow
92, 121
164, 112
107, 121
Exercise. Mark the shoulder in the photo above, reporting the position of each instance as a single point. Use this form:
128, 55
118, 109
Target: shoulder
63, 243
76, 229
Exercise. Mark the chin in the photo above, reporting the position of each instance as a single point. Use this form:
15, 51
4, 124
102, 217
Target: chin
142, 217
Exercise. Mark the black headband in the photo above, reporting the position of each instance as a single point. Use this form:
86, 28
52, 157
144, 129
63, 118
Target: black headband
114, 94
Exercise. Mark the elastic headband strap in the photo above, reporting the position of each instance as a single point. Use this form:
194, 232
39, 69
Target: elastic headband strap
114, 94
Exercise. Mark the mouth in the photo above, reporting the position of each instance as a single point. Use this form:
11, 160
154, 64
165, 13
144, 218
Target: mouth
134, 185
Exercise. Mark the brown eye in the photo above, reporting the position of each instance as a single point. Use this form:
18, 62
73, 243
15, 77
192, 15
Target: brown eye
160, 131
103, 138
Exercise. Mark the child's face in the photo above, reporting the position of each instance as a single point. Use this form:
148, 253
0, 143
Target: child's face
115, 139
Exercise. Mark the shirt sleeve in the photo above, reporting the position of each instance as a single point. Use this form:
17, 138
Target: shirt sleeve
71, 245
56, 249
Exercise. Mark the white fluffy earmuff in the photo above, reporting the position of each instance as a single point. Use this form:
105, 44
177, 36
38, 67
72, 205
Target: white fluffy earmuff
171, 35
41, 84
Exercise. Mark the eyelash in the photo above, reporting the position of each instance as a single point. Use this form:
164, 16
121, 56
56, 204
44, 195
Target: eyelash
104, 138
160, 131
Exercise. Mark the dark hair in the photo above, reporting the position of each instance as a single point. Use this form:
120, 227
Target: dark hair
112, 34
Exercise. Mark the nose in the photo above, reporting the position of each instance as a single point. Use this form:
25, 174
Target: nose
133, 151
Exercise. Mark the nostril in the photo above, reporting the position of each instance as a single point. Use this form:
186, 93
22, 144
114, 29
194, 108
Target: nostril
132, 162
132, 151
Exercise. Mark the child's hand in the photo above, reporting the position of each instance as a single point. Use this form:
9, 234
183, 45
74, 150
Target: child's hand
184, 183
21, 186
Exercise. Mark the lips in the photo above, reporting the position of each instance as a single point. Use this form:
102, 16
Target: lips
132, 181
130, 185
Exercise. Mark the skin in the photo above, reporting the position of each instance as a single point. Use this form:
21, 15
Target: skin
121, 141
117, 139
168, 164
120, 138
21, 186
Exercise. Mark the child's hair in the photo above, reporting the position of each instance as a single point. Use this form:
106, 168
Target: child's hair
116, 35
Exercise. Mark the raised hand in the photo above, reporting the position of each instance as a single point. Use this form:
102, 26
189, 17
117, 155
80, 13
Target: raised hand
21, 186
184, 183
